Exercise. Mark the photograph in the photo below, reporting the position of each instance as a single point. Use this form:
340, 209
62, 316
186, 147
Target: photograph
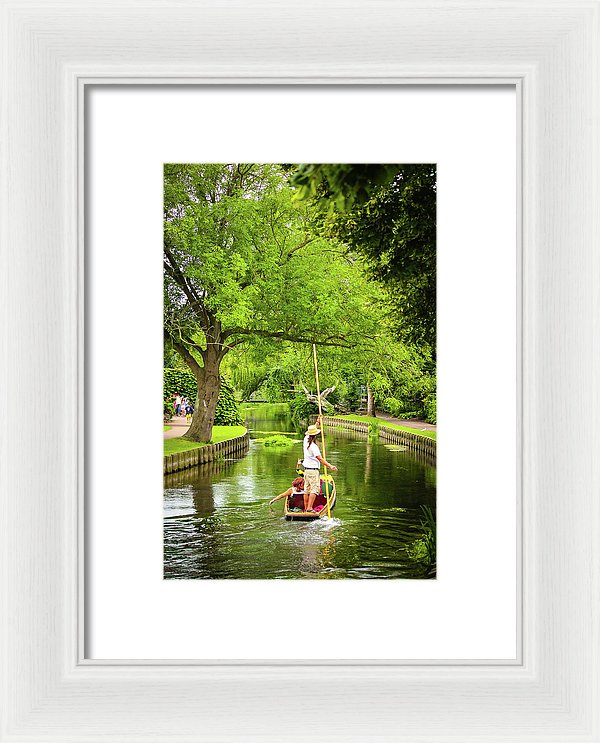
299, 395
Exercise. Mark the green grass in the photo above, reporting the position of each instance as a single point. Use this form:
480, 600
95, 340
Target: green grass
166, 428
266, 407
219, 433
382, 422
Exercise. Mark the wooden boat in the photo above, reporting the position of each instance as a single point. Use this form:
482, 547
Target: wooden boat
297, 501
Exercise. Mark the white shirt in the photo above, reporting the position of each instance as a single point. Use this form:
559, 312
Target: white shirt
310, 455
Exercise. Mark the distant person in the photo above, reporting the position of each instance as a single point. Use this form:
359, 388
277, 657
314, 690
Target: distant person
178, 404
296, 489
312, 463
189, 411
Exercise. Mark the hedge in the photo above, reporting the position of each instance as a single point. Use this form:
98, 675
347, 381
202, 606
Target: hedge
179, 380
183, 381
227, 412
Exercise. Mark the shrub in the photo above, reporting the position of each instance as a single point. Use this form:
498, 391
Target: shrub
301, 410
168, 410
430, 404
392, 406
227, 412
403, 408
347, 394
181, 380
374, 430
407, 416
423, 550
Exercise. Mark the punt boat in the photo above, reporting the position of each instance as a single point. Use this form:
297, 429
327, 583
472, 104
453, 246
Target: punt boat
296, 501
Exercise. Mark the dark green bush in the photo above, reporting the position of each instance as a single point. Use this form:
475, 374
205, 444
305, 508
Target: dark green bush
350, 392
302, 409
431, 408
183, 381
407, 416
227, 412
392, 406
424, 550
179, 380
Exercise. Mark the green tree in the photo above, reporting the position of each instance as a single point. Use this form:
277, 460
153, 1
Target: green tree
242, 262
341, 186
392, 371
388, 214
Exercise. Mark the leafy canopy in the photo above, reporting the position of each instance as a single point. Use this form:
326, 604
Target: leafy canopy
387, 213
242, 259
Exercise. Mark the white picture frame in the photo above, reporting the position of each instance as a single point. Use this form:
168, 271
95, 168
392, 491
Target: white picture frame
50, 52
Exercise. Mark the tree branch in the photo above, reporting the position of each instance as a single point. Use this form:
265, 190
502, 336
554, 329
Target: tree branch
175, 272
185, 355
301, 245
281, 335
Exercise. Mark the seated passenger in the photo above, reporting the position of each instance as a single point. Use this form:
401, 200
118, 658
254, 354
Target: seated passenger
296, 489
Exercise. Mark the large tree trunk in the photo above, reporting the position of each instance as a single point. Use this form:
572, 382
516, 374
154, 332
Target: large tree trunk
370, 401
209, 385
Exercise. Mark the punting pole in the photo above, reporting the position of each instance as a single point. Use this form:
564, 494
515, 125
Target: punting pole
326, 488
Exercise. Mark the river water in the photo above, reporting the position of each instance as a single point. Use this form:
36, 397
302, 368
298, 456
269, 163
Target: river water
218, 524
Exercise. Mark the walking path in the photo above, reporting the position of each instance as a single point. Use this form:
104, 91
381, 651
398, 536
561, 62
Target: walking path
179, 426
413, 423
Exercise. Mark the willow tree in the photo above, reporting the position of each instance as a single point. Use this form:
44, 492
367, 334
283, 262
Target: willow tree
240, 262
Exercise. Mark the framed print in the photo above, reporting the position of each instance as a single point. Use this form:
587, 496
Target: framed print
546, 54
201, 517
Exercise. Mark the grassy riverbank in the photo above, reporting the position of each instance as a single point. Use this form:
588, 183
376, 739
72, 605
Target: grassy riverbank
383, 422
219, 433
266, 408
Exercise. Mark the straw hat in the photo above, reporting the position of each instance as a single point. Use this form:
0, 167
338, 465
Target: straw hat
313, 431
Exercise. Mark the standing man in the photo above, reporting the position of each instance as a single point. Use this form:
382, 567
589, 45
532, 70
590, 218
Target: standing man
312, 463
